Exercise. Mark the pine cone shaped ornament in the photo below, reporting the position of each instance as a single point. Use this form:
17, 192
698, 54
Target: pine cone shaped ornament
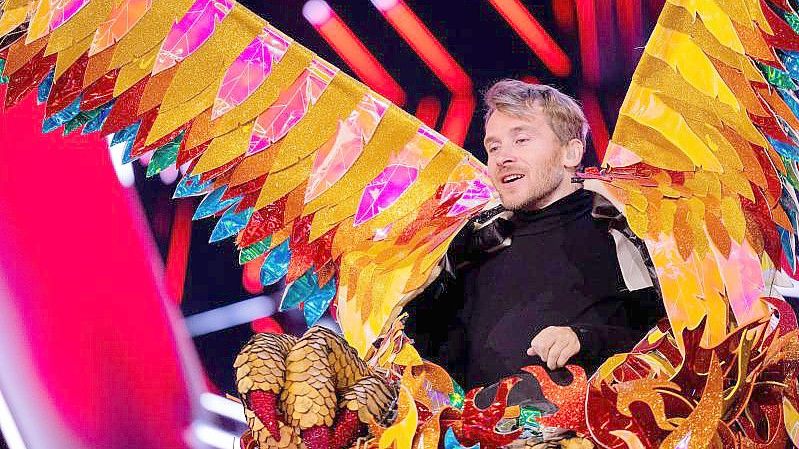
313, 392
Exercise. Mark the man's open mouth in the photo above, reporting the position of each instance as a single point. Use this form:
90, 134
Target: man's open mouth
507, 179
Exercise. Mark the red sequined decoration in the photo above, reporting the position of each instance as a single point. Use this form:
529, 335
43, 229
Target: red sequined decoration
125, 110
478, 424
300, 249
67, 87
219, 171
247, 441
263, 223
99, 92
243, 189
346, 429
570, 399
784, 36
264, 404
317, 437
27, 78
186, 154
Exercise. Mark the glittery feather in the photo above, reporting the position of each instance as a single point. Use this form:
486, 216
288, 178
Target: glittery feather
274, 123
124, 17
276, 264
188, 34
230, 224
249, 70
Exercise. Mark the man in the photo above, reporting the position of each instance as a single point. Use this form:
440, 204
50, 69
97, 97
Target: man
539, 280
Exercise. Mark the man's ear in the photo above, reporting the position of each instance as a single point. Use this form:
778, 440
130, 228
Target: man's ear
574, 153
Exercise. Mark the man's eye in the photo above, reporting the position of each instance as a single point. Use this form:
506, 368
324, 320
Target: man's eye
522, 140
492, 149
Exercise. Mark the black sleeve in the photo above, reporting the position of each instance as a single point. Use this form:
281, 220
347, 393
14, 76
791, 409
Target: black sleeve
435, 320
429, 316
431, 313
640, 311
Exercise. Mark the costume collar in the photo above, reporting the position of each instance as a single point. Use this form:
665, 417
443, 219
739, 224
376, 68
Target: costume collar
557, 214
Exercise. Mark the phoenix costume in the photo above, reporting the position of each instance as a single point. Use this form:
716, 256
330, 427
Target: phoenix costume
354, 203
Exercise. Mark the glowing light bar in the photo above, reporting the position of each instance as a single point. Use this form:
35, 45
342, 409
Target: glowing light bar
421, 39
124, 171
231, 315
655, 7
589, 45
169, 174
428, 110
352, 50
599, 130
222, 406
628, 13
436, 57
177, 257
530, 79
459, 115
534, 35
213, 436
563, 11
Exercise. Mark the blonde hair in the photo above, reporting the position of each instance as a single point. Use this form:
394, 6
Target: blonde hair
516, 98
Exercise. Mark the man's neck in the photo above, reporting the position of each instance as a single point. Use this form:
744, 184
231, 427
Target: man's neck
560, 192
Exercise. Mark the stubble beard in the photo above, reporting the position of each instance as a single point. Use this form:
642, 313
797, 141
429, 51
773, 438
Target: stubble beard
548, 182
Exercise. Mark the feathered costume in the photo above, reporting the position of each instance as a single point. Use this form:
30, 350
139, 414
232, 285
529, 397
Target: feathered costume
354, 202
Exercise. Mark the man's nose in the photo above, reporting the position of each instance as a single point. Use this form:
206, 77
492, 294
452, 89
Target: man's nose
504, 158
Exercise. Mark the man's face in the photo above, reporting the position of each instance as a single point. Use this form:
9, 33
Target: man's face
525, 159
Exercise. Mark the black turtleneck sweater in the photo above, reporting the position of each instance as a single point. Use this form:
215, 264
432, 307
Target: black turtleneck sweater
560, 270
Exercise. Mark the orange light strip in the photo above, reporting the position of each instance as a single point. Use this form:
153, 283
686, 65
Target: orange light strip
421, 39
352, 50
458, 117
534, 35
443, 65
428, 110
177, 257
628, 13
563, 12
599, 130
589, 45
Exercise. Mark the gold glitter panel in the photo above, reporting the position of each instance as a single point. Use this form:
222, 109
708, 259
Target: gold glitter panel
278, 184
650, 145
321, 121
20, 54
394, 131
168, 121
81, 26
14, 14
224, 149
283, 74
135, 71
252, 167
208, 64
200, 71
149, 32
98, 66
68, 56
156, 88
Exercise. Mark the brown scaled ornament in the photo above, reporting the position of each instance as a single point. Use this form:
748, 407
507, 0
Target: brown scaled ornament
311, 393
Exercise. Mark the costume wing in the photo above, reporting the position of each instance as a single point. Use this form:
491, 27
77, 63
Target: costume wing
343, 194
703, 157
703, 162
